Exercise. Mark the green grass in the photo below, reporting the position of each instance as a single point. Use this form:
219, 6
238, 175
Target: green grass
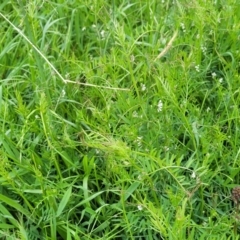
119, 119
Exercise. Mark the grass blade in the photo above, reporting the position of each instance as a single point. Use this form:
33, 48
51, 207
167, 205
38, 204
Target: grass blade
64, 201
130, 190
15, 205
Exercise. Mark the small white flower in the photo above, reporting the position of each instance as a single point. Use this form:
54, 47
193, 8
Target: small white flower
220, 80
204, 49
93, 26
84, 28
132, 58
102, 33
183, 27
36, 116
204, 223
214, 74
97, 151
163, 41
90, 57
143, 87
140, 207
166, 148
67, 75
135, 114
193, 175
126, 163
208, 109
139, 141
197, 68
63, 93
160, 106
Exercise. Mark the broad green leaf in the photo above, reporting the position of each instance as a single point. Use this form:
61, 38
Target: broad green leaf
6, 226
15, 205
87, 200
64, 201
102, 226
8, 215
130, 190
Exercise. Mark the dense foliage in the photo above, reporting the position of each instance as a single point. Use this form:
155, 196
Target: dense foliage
119, 119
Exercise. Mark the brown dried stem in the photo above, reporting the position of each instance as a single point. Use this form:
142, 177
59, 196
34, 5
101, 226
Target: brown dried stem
169, 45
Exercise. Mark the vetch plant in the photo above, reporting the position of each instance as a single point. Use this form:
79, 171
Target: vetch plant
116, 122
